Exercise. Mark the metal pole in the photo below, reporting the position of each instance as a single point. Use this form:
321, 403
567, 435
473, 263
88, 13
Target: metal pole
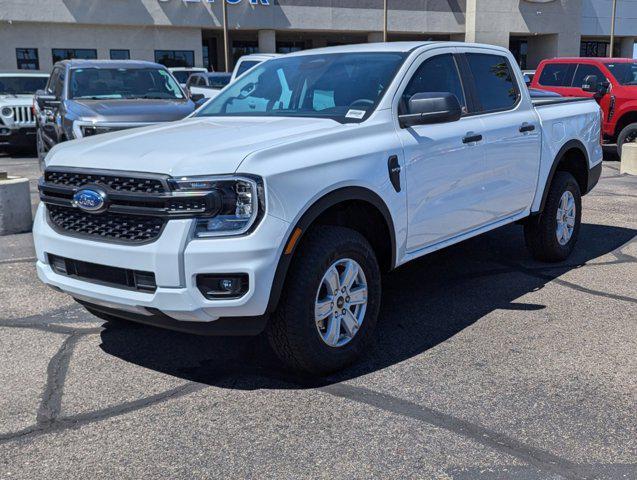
226, 46
385, 20
612, 29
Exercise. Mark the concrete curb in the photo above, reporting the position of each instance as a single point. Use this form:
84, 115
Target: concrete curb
629, 159
15, 206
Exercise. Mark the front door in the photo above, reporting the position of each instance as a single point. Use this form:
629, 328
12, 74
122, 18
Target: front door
444, 163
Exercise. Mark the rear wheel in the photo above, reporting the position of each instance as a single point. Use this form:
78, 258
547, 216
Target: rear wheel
552, 235
627, 135
328, 310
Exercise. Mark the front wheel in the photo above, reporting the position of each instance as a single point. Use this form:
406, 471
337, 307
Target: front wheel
552, 235
327, 313
627, 135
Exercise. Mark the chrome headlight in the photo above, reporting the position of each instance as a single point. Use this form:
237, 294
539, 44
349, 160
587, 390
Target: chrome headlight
241, 203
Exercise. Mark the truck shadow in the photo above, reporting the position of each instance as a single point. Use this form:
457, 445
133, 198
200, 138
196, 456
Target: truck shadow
424, 304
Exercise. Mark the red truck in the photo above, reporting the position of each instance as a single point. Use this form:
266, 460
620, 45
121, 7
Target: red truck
613, 83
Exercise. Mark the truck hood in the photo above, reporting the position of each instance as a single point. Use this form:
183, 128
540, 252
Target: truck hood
196, 146
17, 100
133, 111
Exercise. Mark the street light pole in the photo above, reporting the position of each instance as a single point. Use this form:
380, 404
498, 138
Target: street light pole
612, 29
385, 20
226, 47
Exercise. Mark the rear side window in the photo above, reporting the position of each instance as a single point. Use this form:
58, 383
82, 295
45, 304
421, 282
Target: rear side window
584, 71
496, 87
437, 74
557, 75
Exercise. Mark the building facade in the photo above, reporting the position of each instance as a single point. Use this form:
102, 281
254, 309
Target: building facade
36, 33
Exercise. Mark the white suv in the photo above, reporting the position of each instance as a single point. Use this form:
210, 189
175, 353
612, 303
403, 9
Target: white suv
279, 203
17, 122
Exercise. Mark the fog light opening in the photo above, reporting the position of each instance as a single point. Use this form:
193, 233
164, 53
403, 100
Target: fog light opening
223, 285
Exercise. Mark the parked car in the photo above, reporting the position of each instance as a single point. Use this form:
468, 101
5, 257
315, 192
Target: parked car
611, 81
246, 62
17, 123
89, 97
537, 93
183, 73
278, 204
528, 76
207, 84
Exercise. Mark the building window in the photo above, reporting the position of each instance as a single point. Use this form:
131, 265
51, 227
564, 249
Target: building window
294, 46
519, 48
27, 58
593, 48
243, 47
120, 54
60, 54
175, 58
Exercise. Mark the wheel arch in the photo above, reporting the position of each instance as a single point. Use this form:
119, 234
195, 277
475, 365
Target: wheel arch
326, 210
625, 119
571, 158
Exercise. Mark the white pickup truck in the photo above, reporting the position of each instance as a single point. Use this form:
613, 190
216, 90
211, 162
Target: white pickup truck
278, 204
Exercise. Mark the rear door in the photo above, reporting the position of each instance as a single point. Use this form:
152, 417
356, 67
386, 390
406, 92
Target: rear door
556, 77
511, 134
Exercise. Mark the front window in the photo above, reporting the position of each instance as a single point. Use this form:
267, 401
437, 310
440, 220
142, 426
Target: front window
17, 85
246, 65
342, 86
625, 73
122, 83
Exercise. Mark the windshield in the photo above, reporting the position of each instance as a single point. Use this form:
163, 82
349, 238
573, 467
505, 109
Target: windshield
122, 83
218, 81
182, 75
21, 85
342, 86
624, 73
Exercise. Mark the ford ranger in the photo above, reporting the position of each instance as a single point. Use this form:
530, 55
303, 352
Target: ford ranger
277, 205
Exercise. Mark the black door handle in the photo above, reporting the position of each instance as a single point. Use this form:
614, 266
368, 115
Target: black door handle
527, 127
472, 138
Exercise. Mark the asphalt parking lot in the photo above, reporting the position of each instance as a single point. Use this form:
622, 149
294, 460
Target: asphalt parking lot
488, 365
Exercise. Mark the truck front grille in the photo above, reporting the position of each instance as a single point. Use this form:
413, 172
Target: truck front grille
118, 183
23, 116
106, 226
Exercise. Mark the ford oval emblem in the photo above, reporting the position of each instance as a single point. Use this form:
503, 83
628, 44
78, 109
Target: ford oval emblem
90, 200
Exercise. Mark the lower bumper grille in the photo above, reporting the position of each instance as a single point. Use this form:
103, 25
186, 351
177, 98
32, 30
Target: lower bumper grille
106, 226
105, 275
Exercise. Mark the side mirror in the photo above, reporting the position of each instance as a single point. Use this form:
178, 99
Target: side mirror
195, 97
46, 100
428, 108
590, 84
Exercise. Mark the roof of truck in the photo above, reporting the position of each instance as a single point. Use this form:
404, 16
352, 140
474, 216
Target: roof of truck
391, 47
78, 63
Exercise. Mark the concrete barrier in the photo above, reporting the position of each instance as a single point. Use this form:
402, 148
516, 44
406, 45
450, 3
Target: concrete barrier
15, 206
629, 159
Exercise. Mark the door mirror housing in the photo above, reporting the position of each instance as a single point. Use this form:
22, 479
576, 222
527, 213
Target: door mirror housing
431, 107
196, 97
46, 100
590, 84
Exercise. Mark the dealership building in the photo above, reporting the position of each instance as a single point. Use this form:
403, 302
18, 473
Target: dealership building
36, 33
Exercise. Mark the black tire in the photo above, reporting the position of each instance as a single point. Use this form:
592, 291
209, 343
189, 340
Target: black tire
540, 232
292, 331
628, 134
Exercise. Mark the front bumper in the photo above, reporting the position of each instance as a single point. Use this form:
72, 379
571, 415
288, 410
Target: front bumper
18, 137
175, 259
